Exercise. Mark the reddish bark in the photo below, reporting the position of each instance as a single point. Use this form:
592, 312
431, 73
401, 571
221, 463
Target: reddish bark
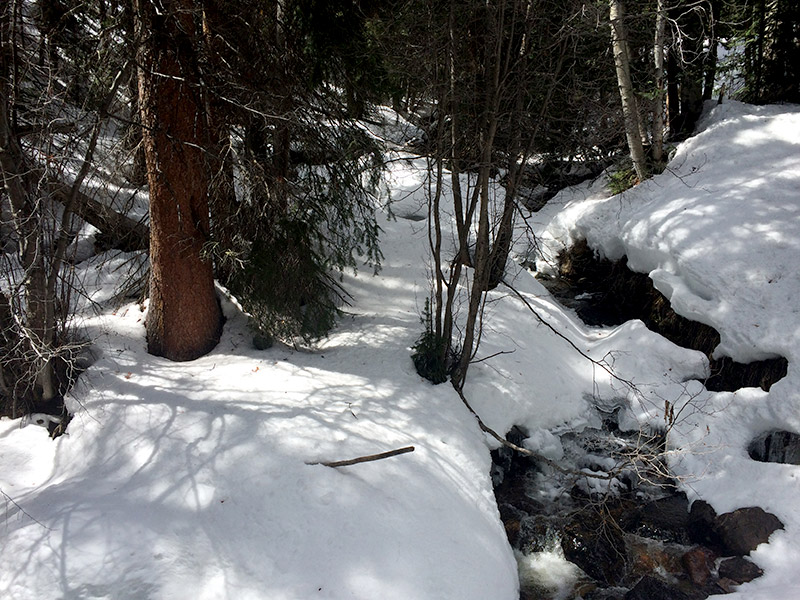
184, 320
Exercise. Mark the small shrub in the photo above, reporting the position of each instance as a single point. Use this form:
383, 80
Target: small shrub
622, 179
431, 354
286, 287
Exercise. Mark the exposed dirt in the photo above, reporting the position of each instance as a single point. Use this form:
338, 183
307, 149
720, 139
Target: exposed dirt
603, 292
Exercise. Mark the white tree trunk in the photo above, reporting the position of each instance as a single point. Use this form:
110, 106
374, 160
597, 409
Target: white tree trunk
629, 110
658, 108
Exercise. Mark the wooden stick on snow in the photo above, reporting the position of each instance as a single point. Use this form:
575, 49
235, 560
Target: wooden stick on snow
363, 459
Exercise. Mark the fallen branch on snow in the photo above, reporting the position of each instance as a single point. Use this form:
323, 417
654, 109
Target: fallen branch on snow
363, 459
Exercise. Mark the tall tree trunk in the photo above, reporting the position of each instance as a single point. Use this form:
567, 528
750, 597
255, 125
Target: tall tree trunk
713, 47
622, 63
222, 196
518, 157
488, 131
673, 97
184, 319
757, 87
21, 187
282, 134
658, 104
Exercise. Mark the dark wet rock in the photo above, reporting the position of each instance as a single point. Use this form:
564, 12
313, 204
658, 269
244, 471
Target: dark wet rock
585, 588
650, 588
665, 519
512, 527
595, 543
537, 533
608, 293
726, 586
742, 530
637, 537
514, 502
776, 446
729, 376
507, 463
515, 499
647, 556
511, 474
739, 569
735, 533
605, 594
701, 526
699, 563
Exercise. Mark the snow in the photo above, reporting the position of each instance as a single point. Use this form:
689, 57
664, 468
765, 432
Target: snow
718, 234
191, 480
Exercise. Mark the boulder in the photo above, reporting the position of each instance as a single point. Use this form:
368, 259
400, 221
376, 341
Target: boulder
742, 530
537, 533
594, 543
665, 519
648, 556
650, 588
776, 446
739, 570
701, 525
699, 562
733, 534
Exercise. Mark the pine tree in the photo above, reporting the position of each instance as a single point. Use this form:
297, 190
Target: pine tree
184, 319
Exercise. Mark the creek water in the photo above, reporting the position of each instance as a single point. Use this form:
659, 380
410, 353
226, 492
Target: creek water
594, 528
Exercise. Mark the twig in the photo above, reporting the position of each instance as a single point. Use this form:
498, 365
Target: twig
363, 459
491, 356
22, 510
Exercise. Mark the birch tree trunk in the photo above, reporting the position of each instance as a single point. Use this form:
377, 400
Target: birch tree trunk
629, 109
658, 54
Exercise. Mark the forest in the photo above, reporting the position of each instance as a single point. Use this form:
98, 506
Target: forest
234, 170
245, 122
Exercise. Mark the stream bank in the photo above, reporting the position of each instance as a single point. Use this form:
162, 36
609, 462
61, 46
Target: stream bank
604, 292
615, 525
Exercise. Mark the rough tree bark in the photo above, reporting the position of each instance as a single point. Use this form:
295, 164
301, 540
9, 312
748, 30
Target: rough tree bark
184, 319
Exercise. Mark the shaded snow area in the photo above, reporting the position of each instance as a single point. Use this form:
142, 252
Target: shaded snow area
190, 480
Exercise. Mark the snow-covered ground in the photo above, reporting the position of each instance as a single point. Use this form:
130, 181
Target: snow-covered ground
190, 480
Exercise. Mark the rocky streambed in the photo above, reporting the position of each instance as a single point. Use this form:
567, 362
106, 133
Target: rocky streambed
610, 522
613, 525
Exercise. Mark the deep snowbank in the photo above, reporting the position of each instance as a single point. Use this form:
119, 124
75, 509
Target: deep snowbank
719, 234
190, 480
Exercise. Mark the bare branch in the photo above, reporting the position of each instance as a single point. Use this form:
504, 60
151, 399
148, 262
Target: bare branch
10, 500
363, 459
